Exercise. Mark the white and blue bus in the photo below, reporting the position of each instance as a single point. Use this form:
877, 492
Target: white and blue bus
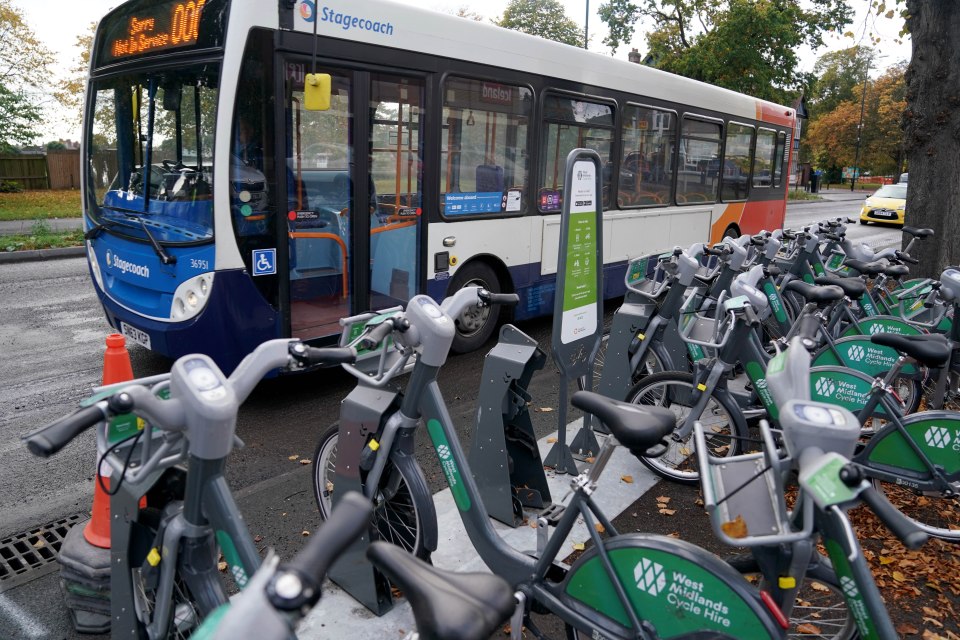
221, 212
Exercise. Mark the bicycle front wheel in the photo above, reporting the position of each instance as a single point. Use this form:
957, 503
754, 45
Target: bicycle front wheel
723, 424
820, 610
396, 517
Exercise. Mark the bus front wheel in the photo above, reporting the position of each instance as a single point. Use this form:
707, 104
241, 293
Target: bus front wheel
475, 325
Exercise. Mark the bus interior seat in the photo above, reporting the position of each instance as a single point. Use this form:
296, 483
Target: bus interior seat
490, 178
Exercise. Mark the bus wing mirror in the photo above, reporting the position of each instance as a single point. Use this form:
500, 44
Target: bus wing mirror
316, 92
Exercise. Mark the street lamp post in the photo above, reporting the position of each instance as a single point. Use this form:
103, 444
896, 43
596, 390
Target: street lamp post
856, 155
586, 27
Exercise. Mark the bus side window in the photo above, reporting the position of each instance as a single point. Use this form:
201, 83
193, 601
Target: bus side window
484, 162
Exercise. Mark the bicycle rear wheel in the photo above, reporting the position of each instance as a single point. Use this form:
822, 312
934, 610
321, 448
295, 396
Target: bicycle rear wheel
396, 518
722, 421
820, 610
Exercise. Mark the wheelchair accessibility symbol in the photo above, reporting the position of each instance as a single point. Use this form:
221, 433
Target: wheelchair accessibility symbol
264, 262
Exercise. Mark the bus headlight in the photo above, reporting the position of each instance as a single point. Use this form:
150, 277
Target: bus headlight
94, 265
191, 297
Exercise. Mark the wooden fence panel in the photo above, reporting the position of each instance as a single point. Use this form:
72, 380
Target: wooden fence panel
64, 168
27, 170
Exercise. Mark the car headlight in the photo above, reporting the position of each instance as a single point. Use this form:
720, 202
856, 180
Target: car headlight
191, 297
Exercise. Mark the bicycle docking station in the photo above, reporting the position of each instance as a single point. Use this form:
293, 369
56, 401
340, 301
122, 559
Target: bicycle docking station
631, 318
504, 455
578, 305
360, 417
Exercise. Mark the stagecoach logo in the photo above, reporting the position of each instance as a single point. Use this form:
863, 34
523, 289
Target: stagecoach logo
825, 387
849, 587
649, 576
306, 10
125, 266
937, 437
856, 353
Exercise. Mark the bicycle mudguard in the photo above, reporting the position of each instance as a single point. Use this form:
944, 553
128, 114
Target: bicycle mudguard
857, 352
881, 324
674, 586
935, 433
842, 386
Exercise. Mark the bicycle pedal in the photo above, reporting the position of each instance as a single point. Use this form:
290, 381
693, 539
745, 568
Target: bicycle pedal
553, 513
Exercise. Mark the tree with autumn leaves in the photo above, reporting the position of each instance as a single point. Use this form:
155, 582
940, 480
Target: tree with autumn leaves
831, 137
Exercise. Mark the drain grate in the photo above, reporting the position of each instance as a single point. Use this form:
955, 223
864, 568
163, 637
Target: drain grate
27, 556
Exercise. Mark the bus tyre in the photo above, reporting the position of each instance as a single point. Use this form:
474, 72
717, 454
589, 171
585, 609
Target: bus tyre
820, 607
731, 232
475, 325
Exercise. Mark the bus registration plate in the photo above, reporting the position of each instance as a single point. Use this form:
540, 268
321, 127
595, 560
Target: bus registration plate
142, 338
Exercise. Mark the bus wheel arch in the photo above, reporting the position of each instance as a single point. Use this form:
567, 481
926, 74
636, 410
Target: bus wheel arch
732, 231
476, 326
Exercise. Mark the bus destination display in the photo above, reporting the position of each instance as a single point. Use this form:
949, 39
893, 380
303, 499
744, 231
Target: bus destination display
166, 25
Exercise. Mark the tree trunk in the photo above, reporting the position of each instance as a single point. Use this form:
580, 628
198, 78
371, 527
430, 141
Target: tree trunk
931, 125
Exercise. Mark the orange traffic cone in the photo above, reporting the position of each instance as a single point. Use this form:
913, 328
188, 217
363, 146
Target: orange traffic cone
116, 368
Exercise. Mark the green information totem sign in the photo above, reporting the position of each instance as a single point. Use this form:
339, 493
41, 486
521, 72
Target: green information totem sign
578, 303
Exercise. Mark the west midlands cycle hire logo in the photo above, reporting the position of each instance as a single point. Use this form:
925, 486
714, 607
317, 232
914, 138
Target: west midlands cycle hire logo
825, 387
940, 438
443, 452
856, 353
681, 591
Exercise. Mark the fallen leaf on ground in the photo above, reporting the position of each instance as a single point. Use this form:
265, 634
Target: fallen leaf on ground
551, 440
304, 533
304, 461
545, 409
222, 566
293, 457
907, 629
663, 499
257, 538
808, 629
578, 546
599, 527
627, 479
668, 512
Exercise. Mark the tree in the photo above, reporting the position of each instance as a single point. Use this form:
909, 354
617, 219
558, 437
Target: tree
70, 95
468, 13
931, 127
24, 66
838, 74
19, 119
745, 45
543, 18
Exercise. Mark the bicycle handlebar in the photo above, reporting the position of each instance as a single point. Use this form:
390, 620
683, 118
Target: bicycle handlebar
378, 334
56, 435
509, 299
905, 257
912, 536
297, 582
312, 355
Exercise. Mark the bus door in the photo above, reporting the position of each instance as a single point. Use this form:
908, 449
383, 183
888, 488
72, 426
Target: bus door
363, 154
396, 174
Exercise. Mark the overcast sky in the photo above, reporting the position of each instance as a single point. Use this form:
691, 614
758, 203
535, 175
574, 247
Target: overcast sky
58, 23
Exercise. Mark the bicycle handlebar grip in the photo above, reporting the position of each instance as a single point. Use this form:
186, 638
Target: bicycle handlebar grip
332, 355
509, 299
377, 334
59, 433
905, 257
832, 236
310, 565
900, 525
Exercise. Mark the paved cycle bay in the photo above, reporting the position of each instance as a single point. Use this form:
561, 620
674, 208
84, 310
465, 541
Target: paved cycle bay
340, 616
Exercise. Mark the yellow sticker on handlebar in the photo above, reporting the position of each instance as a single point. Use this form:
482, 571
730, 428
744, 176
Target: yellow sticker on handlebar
701, 387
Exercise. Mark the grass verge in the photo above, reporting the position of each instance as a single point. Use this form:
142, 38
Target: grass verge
40, 204
41, 237
798, 194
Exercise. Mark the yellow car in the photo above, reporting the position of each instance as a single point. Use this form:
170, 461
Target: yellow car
886, 205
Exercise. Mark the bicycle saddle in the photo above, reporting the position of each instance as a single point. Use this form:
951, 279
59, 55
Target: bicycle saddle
446, 605
852, 287
932, 350
896, 270
917, 233
868, 268
637, 427
822, 294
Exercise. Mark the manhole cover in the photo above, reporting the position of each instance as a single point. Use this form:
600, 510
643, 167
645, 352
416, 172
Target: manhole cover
29, 555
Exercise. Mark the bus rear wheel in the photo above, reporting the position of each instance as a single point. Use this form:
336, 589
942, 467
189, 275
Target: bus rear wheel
475, 325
